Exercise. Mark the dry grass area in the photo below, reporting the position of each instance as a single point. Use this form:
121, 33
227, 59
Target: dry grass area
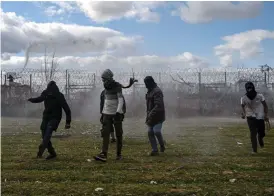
203, 157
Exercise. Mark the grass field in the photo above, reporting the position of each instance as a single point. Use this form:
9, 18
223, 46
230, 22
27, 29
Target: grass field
202, 158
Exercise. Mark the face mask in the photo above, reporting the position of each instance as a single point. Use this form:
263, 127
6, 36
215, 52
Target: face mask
107, 83
250, 91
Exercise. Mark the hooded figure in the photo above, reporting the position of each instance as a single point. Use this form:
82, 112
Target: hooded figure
102, 100
250, 90
54, 102
112, 109
155, 114
255, 110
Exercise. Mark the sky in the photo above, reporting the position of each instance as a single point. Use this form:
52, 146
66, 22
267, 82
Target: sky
147, 35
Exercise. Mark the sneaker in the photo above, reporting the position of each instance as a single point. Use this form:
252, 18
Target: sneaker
101, 157
154, 153
162, 148
113, 140
253, 152
51, 156
119, 157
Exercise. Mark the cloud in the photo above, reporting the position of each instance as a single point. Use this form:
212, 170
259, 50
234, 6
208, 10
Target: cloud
247, 44
67, 39
53, 10
5, 56
146, 62
203, 12
59, 8
100, 11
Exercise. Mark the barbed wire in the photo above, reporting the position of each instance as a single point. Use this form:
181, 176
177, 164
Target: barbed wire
194, 76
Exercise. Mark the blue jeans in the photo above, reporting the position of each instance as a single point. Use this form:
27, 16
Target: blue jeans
153, 133
47, 127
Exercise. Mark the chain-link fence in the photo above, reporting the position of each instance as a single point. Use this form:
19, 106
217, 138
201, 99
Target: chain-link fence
187, 92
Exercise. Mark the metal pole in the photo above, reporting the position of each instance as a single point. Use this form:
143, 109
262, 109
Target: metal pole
68, 85
200, 91
5, 79
265, 82
66, 90
94, 80
225, 79
30, 83
1, 77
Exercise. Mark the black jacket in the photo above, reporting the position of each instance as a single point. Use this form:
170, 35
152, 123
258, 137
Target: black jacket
54, 103
155, 106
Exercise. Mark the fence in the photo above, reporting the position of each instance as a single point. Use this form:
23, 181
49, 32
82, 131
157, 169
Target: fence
187, 92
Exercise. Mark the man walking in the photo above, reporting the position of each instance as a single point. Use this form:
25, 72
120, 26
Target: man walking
155, 114
102, 100
255, 110
113, 110
54, 102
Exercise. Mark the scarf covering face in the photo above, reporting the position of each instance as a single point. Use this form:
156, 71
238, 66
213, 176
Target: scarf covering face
150, 83
109, 83
250, 90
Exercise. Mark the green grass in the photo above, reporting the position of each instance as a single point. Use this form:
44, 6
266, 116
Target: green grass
199, 161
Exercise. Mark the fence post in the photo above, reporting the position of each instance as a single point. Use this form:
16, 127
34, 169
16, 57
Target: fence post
94, 80
133, 88
5, 80
30, 83
66, 90
265, 80
225, 79
68, 86
199, 92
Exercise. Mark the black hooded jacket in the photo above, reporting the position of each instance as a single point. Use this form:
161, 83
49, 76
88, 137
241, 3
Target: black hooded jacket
54, 102
155, 103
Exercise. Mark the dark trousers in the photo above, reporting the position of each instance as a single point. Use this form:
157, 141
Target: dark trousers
108, 122
111, 132
256, 127
47, 127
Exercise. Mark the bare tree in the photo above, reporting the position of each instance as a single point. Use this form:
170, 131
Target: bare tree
49, 66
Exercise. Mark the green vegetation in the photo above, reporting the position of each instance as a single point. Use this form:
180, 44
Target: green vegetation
199, 161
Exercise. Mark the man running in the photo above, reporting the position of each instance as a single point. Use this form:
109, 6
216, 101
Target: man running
54, 102
255, 110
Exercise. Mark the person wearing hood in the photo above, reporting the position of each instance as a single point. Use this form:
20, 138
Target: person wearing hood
102, 100
113, 109
54, 102
255, 110
155, 114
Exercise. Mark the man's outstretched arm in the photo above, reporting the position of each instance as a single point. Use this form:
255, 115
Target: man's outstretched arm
39, 99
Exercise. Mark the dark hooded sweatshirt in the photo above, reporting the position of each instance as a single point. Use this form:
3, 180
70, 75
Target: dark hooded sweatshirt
54, 102
155, 103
